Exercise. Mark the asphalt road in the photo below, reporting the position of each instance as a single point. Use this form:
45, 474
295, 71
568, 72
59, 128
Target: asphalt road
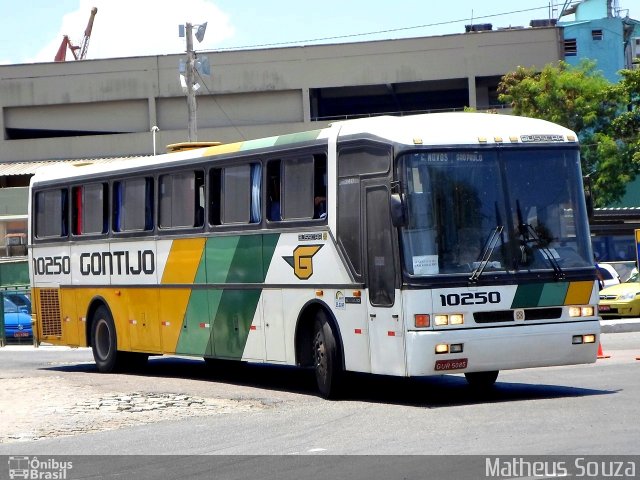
570, 410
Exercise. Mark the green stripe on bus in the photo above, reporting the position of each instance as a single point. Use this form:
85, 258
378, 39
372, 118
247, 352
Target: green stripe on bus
298, 137
527, 295
233, 322
217, 322
194, 335
540, 295
259, 143
246, 266
219, 253
237, 308
553, 294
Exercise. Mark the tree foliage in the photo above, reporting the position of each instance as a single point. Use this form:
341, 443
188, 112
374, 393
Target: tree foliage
605, 116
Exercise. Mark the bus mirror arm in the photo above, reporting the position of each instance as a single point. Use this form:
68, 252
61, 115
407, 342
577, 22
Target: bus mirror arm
398, 212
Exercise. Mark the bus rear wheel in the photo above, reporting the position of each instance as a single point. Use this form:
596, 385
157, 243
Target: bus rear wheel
326, 358
104, 341
482, 380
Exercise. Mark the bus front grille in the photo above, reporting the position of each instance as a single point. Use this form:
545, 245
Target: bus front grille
512, 315
50, 312
492, 317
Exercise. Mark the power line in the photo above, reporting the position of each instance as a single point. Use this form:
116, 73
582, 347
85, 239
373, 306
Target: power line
212, 96
391, 30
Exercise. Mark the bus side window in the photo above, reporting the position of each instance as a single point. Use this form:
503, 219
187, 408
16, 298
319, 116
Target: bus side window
241, 189
148, 204
273, 191
215, 195
76, 211
320, 186
256, 192
51, 213
179, 197
117, 207
198, 220
89, 209
133, 204
298, 201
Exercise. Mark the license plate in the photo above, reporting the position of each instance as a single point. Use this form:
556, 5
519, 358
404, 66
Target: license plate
21, 334
604, 308
455, 364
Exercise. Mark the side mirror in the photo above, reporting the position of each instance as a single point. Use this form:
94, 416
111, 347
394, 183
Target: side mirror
398, 213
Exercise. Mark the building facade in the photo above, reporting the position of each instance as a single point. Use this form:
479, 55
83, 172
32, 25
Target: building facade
600, 32
106, 108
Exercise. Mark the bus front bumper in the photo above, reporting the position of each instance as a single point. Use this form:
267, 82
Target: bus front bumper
501, 348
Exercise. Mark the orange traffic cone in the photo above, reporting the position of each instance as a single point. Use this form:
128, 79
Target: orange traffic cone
601, 353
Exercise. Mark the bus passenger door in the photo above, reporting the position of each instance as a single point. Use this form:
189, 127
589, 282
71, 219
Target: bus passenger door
386, 337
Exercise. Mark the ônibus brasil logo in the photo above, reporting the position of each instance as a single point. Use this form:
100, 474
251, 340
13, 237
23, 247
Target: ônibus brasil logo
33, 468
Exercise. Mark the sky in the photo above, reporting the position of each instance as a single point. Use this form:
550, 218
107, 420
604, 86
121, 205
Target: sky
31, 31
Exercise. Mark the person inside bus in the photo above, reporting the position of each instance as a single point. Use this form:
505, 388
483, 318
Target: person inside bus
273, 207
320, 207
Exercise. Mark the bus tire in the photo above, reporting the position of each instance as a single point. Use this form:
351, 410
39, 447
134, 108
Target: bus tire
326, 358
482, 380
104, 341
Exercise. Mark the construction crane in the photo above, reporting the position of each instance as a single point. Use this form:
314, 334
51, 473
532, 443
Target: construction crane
67, 45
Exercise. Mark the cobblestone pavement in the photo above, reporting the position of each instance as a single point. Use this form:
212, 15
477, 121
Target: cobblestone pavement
45, 399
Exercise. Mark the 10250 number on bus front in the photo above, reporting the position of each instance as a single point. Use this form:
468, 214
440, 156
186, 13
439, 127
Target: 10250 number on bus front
469, 298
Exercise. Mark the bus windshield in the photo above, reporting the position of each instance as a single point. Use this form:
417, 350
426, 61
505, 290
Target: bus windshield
494, 211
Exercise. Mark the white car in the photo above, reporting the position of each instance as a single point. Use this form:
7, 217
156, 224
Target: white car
609, 274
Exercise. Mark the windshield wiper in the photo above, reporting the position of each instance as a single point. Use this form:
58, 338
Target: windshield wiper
487, 250
528, 233
546, 251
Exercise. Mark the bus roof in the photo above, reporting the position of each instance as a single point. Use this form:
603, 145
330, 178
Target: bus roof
437, 129
459, 128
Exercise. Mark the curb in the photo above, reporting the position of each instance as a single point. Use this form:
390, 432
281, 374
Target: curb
620, 326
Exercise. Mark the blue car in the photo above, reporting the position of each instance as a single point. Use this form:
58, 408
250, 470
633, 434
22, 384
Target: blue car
22, 301
17, 324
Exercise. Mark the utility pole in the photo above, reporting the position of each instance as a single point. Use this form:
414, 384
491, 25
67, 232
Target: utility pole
192, 122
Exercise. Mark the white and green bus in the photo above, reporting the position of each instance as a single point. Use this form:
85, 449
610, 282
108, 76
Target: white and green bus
407, 246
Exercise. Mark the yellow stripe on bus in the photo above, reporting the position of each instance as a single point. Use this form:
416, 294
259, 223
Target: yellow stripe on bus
579, 293
224, 148
183, 261
182, 266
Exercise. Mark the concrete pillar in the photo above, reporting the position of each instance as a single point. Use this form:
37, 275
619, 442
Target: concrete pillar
473, 97
306, 105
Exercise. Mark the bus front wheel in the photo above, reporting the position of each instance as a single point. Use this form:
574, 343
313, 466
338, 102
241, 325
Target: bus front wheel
482, 380
326, 358
104, 341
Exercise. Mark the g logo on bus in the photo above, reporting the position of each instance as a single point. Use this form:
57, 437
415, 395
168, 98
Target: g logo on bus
302, 262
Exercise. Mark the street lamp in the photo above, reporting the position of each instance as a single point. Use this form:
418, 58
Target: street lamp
154, 130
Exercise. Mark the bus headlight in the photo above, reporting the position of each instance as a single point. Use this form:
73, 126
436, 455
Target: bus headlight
452, 319
586, 311
580, 339
446, 348
441, 320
